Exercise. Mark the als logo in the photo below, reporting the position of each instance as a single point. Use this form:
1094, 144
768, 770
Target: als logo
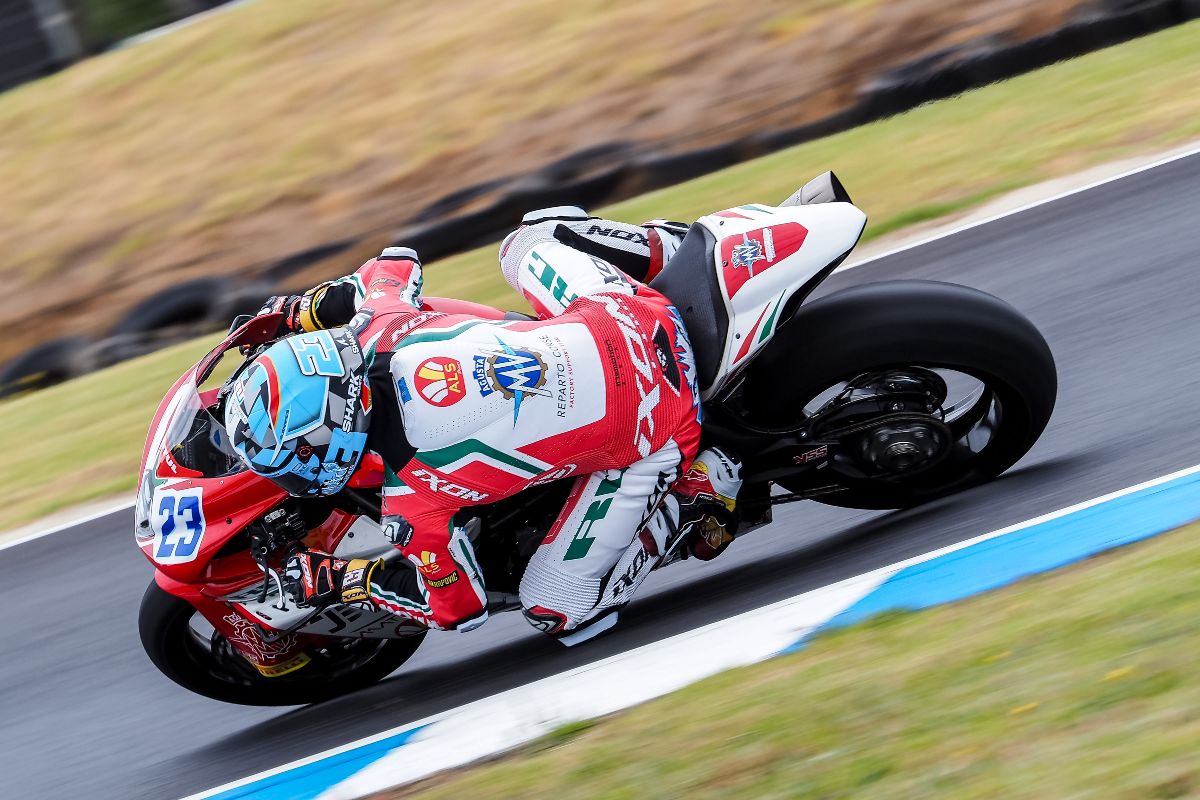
440, 381
514, 373
428, 565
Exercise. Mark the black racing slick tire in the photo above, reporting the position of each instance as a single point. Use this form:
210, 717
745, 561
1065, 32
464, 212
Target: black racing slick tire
893, 324
188, 659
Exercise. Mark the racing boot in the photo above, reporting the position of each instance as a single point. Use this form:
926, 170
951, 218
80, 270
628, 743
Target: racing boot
317, 579
707, 497
696, 517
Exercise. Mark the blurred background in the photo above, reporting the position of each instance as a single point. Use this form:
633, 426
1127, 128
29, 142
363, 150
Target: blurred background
168, 176
168, 164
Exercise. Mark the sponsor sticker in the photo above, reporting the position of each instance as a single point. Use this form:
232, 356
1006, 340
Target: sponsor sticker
757, 251
581, 541
355, 594
439, 484
516, 373
440, 381
546, 275
353, 392
446, 581
291, 665
627, 580
811, 455
640, 353
428, 565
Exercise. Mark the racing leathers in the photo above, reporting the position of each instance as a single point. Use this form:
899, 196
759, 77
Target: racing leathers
468, 410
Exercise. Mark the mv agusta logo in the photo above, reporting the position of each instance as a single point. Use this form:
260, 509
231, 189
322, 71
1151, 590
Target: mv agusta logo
514, 373
746, 252
757, 251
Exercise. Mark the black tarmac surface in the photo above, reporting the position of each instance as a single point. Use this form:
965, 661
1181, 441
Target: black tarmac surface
1111, 276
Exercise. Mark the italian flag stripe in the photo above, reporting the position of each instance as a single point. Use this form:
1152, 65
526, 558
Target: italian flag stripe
393, 484
449, 459
437, 334
766, 331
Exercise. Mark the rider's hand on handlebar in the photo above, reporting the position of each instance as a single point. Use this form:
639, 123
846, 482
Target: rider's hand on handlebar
289, 306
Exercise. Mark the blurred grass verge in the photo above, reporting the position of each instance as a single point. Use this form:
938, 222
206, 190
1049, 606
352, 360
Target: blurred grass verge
1077, 683
83, 439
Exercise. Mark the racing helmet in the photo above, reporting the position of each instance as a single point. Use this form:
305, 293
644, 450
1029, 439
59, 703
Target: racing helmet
299, 413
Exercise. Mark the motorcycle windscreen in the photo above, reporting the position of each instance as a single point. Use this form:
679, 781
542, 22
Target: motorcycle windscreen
189, 443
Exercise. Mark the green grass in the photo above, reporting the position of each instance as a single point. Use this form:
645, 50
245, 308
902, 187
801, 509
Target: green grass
1078, 683
946, 157
83, 439
284, 104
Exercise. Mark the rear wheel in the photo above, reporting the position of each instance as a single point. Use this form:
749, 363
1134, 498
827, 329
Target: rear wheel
982, 375
190, 653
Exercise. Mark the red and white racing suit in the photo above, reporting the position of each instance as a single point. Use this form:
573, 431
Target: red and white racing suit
601, 387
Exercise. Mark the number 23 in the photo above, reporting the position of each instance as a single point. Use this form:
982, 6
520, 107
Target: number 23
182, 525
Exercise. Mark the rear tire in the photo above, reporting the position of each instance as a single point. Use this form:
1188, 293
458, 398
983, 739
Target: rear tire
907, 323
163, 623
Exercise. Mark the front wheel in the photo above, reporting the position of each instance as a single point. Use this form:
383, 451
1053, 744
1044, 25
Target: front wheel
988, 373
203, 662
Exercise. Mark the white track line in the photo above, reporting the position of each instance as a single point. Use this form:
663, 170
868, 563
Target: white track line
62, 526
966, 226
685, 657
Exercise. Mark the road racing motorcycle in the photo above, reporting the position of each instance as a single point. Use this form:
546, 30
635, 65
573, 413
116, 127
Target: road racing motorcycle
880, 396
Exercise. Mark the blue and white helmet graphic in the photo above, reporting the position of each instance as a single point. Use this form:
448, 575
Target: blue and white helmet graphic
299, 414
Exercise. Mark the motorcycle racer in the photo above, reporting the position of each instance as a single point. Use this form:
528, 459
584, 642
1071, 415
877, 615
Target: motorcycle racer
464, 410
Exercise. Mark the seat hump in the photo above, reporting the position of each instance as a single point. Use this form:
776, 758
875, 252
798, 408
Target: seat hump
689, 281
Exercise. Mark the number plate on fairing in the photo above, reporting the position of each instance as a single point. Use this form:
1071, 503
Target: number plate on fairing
177, 520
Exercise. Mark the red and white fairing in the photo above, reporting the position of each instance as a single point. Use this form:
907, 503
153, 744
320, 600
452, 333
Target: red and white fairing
764, 255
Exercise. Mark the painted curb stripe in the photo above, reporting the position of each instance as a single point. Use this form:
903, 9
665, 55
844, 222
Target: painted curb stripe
501, 722
307, 781
1048, 545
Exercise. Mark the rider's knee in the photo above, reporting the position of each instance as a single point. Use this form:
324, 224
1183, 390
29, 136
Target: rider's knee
536, 228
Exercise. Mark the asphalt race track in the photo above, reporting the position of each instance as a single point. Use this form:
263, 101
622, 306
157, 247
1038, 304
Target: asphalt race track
1111, 276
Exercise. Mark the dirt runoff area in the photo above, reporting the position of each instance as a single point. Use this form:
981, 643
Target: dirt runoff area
283, 124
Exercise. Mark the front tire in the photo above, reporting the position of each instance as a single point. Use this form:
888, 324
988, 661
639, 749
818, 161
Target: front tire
164, 623
897, 324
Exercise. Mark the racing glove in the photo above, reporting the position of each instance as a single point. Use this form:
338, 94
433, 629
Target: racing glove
324, 306
285, 305
316, 579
